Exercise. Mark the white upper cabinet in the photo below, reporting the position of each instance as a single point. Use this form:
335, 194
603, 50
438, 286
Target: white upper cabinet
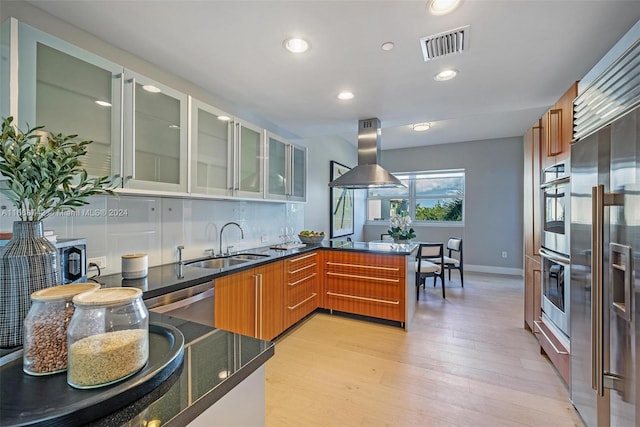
70, 91
155, 135
248, 161
212, 149
226, 155
286, 169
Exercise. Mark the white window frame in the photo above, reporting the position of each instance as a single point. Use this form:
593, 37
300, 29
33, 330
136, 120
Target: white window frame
412, 197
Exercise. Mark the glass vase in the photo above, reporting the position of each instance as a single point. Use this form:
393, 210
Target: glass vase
28, 263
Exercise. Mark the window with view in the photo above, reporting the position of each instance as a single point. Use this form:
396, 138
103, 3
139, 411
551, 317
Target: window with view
435, 196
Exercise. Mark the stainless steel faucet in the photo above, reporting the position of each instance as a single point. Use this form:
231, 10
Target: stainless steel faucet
180, 248
222, 229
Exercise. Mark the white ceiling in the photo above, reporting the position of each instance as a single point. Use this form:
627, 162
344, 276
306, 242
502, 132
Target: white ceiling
523, 55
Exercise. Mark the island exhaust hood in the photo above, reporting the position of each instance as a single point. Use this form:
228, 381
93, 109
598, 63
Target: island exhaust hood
368, 173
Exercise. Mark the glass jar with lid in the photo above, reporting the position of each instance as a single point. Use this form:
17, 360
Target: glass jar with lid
108, 337
45, 328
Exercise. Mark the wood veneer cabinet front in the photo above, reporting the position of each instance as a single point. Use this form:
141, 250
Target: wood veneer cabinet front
532, 223
557, 126
532, 292
303, 277
365, 284
251, 302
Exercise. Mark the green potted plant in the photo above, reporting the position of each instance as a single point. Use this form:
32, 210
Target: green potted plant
42, 175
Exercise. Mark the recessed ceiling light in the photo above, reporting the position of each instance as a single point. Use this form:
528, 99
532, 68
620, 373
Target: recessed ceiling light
421, 127
296, 45
345, 95
442, 7
151, 88
103, 103
445, 75
387, 46
224, 118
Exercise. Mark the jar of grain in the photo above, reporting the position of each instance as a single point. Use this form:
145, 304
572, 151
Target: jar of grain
108, 337
45, 328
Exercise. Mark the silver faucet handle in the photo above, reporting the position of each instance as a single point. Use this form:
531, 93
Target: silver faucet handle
180, 248
229, 247
211, 252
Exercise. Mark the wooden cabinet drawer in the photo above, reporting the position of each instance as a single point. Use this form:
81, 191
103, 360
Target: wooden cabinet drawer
365, 265
302, 286
554, 349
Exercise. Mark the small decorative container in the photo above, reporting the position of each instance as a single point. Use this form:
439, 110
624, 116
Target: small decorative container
45, 328
108, 337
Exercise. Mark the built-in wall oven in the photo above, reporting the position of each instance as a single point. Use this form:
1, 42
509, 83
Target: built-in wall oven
555, 290
555, 250
556, 196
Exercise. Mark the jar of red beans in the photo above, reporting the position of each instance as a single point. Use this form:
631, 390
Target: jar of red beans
45, 328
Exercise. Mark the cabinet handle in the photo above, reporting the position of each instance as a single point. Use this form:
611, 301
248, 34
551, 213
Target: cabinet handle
255, 312
555, 116
353, 276
302, 257
541, 331
371, 267
313, 295
301, 280
363, 298
121, 133
133, 127
303, 268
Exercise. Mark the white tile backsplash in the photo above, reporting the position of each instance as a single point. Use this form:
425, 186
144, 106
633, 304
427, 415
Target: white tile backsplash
114, 226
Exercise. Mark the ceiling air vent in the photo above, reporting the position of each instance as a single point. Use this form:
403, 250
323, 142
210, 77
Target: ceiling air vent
447, 43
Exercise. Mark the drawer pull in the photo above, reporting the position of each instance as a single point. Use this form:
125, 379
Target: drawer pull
301, 280
353, 276
364, 266
363, 298
303, 268
541, 330
313, 295
303, 257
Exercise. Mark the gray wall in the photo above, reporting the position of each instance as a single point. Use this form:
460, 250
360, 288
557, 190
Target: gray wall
493, 196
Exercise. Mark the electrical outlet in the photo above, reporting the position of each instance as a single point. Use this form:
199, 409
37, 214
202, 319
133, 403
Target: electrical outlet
100, 261
504, 254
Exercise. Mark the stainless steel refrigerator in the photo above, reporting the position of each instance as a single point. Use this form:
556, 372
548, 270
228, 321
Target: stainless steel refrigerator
605, 280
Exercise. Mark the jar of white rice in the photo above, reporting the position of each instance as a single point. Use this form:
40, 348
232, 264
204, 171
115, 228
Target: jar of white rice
108, 337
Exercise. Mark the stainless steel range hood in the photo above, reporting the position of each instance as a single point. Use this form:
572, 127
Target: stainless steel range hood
368, 173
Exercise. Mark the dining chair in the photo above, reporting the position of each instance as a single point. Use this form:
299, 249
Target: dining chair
450, 262
426, 267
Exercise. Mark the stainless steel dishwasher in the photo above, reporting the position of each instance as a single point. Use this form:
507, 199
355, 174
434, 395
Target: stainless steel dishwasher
195, 304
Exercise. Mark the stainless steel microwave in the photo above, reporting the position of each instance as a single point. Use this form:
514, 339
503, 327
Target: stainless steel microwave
72, 260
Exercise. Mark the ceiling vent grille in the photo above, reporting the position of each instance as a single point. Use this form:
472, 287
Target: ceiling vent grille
447, 43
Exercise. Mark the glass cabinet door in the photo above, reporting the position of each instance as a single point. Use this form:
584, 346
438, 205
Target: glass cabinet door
71, 91
286, 170
211, 150
299, 173
249, 158
155, 135
277, 168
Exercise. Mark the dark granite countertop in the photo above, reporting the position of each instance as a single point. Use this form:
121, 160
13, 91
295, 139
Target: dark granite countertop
164, 279
218, 361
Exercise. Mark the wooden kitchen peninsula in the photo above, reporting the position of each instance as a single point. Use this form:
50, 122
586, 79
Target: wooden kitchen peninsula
375, 279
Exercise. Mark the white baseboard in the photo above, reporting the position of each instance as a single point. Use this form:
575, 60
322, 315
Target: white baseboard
494, 270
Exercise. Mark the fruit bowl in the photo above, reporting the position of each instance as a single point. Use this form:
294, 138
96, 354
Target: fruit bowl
317, 238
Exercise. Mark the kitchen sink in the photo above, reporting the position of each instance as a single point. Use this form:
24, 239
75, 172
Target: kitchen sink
249, 257
227, 261
217, 262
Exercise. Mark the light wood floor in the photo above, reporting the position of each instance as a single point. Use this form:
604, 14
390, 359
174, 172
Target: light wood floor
466, 362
